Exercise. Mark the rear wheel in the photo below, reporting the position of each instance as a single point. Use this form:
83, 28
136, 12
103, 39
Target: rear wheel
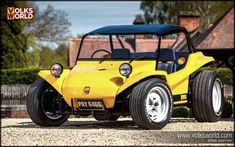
151, 104
105, 116
45, 106
207, 97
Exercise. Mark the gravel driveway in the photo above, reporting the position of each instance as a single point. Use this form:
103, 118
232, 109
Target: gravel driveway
87, 131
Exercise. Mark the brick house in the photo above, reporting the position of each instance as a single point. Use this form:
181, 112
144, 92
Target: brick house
220, 34
217, 40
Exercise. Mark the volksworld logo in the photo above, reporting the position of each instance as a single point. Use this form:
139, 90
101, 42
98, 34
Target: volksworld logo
20, 13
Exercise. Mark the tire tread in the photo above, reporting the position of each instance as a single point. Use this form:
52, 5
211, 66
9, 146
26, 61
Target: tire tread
202, 97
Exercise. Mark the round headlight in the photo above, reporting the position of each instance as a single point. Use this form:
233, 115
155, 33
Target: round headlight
56, 69
125, 69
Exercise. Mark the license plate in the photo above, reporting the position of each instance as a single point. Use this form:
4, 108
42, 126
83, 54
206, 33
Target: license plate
90, 104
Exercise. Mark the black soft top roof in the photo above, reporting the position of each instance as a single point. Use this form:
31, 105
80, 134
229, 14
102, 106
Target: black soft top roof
158, 29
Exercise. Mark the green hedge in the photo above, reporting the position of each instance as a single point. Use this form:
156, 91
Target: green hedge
228, 110
180, 112
226, 74
19, 76
187, 112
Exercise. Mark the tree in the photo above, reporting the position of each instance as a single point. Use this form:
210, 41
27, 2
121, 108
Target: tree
50, 25
33, 58
13, 41
49, 56
62, 54
21, 39
168, 11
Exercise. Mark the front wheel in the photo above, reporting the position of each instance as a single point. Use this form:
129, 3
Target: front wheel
151, 104
45, 106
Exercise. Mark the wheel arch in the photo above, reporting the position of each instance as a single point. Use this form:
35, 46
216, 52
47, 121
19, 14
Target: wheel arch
56, 82
196, 72
127, 88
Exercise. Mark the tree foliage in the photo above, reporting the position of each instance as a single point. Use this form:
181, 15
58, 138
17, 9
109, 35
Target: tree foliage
49, 25
13, 41
49, 56
22, 40
168, 11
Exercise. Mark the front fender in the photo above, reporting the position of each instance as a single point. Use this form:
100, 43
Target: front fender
140, 76
52, 80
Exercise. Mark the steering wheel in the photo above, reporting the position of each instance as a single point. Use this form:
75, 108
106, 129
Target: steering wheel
101, 50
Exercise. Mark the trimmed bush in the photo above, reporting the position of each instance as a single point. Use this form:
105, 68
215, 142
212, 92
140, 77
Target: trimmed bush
180, 112
228, 110
187, 112
190, 113
19, 76
225, 74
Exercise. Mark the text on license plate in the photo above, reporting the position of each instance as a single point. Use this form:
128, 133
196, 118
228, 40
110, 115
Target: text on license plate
90, 104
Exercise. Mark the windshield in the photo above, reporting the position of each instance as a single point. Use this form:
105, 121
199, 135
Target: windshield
141, 46
117, 46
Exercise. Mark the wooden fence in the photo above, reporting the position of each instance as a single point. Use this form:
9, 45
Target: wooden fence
13, 99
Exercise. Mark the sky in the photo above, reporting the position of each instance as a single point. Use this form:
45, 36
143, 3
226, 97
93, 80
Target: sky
87, 16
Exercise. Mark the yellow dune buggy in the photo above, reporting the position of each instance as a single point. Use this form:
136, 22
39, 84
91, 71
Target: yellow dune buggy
129, 70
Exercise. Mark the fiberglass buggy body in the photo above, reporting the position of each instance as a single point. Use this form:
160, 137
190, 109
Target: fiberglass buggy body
121, 81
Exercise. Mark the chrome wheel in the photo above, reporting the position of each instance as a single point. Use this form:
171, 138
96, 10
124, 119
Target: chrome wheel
216, 96
157, 104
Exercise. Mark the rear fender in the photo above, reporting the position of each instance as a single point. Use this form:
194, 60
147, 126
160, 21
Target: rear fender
179, 81
54, 81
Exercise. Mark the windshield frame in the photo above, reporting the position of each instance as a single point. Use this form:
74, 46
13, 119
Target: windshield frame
190, 44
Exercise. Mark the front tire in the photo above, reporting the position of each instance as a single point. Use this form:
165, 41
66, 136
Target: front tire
151, 104
45, 105
207, 97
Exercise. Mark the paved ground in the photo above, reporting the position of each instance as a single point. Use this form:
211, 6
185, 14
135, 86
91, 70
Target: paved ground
87, 131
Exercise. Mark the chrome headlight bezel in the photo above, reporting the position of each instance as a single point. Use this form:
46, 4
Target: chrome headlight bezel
56, 69
125, 69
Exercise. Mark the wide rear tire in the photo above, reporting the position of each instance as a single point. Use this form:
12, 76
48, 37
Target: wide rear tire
207, 97
41, 98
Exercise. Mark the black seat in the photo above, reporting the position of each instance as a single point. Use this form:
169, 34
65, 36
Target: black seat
167, 58
149, 55
169, 68
121, 54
